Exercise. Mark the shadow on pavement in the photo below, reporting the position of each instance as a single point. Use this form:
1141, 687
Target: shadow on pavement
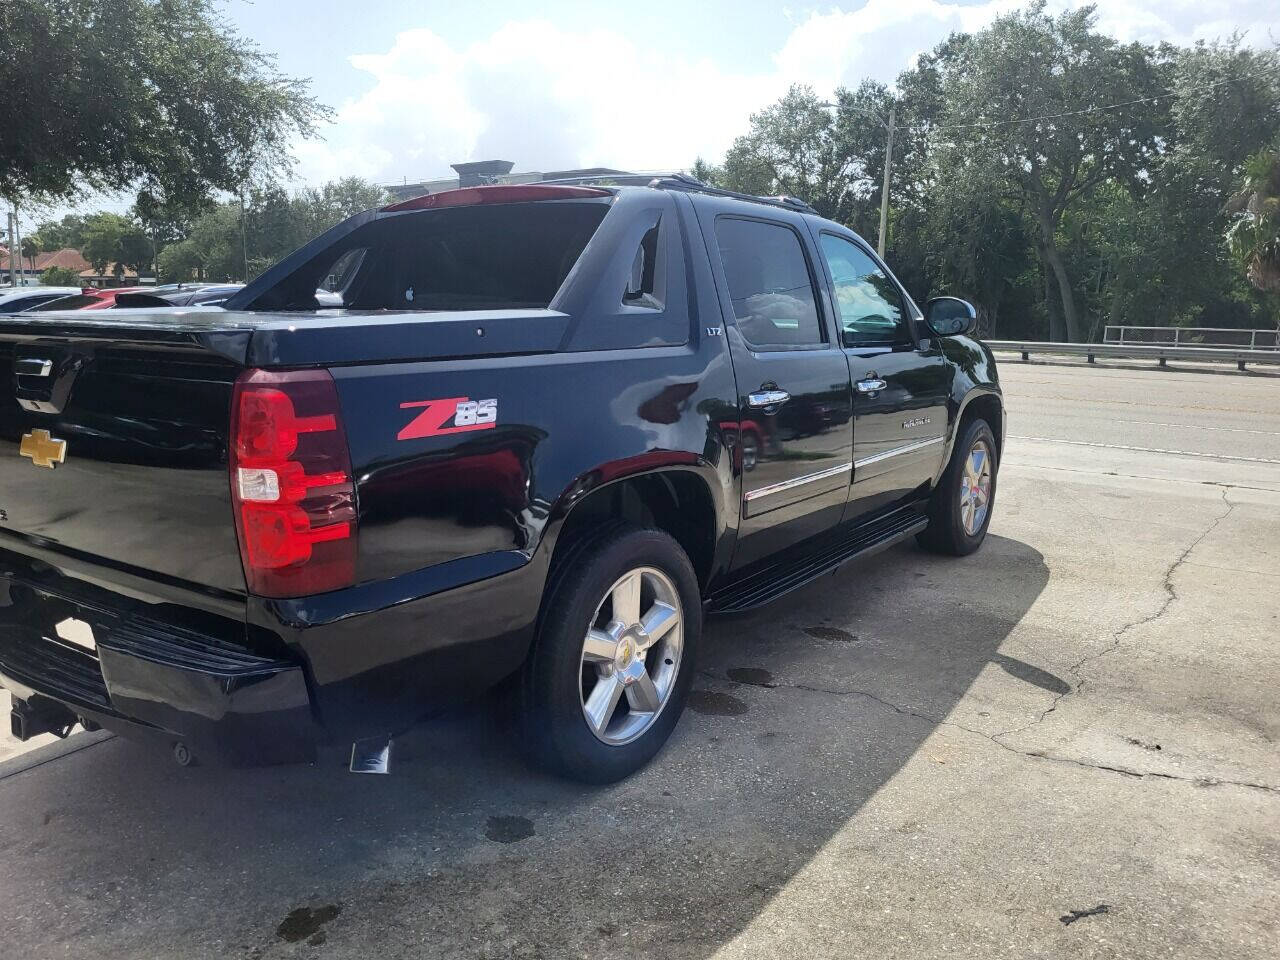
463, 852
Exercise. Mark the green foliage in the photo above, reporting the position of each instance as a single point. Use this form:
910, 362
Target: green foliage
1254, 237
272, 225
155, 94
211, 251
110, 238
1060, 180
61, 234
60, 277
30, 249
831, 155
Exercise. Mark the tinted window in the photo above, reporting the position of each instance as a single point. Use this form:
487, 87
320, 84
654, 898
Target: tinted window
868, 305
19, 304
769, 283
642, 284
67, 303
488, 257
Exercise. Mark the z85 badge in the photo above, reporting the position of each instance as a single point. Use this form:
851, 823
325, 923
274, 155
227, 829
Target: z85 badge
451, 415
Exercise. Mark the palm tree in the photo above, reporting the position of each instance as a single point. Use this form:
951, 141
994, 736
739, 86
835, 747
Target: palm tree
1254, 237
30, 250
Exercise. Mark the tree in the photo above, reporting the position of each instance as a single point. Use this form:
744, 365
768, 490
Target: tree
111, 238
1255, 235
1060, 71
831, 155
212, 250
60, 277
271, 225
61, 234
30, 250
156, 94
1026, 179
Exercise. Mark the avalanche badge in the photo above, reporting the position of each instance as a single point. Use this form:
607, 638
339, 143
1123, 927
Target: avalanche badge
44, 450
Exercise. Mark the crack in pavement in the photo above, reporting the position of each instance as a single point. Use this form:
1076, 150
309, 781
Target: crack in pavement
1117, 639
1029, 754
1143, 476
1171, 594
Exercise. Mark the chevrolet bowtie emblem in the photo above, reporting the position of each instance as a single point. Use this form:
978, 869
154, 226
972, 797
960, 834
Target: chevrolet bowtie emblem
44, 450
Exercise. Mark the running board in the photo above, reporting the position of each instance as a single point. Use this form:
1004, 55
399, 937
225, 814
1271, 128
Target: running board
828, 555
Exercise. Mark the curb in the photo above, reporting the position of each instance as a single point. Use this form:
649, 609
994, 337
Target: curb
52, 751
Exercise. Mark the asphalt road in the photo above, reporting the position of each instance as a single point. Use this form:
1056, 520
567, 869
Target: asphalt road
1063, 746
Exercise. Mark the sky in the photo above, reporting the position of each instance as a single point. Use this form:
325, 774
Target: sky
643, 86
418, 85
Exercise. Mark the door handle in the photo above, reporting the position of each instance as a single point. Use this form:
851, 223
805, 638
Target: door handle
871, 385
768, 398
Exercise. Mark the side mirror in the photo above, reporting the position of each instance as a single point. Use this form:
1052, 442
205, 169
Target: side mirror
950, 316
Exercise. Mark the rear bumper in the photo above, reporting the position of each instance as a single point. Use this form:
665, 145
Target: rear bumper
154, 681
272, 684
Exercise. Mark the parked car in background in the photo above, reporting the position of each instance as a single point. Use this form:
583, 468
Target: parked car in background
90, 298
17, 299
179, 295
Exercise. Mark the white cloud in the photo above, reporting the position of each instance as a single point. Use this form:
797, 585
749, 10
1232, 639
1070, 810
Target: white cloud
537, 94
547, 96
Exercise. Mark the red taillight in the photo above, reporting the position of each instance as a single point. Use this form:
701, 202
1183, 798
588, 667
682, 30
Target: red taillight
291, 483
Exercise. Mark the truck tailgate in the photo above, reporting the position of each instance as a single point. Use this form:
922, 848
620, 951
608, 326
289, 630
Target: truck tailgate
113, 446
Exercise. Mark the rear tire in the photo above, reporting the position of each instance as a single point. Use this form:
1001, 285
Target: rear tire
961, 505
613, 660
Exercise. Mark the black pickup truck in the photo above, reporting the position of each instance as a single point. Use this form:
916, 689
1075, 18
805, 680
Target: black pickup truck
547, 429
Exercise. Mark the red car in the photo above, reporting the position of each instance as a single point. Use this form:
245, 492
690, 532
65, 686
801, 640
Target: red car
90, 298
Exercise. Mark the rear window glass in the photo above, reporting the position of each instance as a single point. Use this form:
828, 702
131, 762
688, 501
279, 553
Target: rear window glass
503, 256
19, 304
67, 303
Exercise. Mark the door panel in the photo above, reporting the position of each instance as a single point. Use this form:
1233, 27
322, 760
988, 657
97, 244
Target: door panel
900, 384
804, 440
795, 403
899, 431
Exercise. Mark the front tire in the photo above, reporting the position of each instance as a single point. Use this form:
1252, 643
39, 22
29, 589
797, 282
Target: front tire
961, 505
613, 660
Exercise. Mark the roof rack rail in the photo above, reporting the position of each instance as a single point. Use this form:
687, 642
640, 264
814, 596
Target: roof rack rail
614, 179
682, 181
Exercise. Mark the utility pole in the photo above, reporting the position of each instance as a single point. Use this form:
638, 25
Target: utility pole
13, 273
884, 192
244, 242
888, 125
16, 236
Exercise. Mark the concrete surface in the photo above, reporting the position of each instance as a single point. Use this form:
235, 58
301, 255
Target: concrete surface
1063, 746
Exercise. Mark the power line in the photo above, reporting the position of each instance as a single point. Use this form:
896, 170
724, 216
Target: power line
987, 125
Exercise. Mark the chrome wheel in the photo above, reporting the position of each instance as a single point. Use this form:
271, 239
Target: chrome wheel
631, 655
975, 488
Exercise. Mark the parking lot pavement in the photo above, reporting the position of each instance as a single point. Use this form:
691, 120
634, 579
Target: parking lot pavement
1063, 746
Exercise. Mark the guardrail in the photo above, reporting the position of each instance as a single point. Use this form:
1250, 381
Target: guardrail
1244, 339
1161, 352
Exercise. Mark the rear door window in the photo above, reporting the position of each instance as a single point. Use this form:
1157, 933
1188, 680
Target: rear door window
770, 285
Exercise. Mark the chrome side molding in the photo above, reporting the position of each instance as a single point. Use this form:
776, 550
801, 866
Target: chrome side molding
794, 482
897, 452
